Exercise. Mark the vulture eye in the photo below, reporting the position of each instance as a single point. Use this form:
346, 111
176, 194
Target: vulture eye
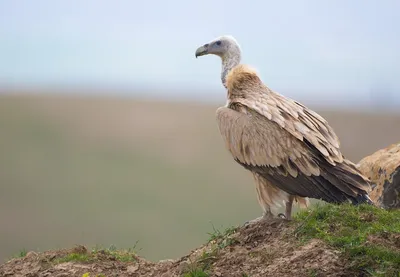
218, 42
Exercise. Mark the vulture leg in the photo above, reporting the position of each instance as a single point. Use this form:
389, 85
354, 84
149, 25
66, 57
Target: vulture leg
289, 205
261, 196
263, 193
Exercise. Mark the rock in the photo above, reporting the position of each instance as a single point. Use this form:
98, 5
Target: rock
132, 269
383, 169
80, 249
167, 261
31, 255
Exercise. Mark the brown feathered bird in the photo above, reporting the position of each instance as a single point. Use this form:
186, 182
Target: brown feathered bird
292, 151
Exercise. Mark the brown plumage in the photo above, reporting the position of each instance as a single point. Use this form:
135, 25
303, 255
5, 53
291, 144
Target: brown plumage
383, 169
292, 151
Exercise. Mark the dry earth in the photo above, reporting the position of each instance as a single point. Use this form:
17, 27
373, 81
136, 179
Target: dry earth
263, 249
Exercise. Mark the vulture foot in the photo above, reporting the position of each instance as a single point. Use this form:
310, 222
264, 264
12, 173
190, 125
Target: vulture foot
285, 216
254, 221
265, 217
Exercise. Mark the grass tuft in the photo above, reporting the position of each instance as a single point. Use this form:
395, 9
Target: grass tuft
196, 273
119, 255
74, 257
87, 274
98, 254
22, 253
223, 239
218, 240
365, 234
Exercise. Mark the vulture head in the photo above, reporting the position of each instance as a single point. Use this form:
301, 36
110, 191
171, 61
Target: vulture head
227, 48
223, 46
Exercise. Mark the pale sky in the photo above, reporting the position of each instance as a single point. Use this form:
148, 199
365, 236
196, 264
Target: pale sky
322, 49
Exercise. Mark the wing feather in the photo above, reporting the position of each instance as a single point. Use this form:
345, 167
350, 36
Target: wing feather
298, 120
307, 167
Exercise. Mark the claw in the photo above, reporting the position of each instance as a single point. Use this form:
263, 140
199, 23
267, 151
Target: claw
258, 219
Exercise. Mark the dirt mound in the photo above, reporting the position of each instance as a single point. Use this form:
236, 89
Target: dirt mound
263, 249
77, 261
329, 240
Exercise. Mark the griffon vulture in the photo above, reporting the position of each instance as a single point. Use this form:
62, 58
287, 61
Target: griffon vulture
292, 151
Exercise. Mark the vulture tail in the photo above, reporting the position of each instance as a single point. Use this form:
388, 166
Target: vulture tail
361, 199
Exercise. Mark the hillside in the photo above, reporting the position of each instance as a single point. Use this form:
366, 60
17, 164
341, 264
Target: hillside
103, 171
328, 240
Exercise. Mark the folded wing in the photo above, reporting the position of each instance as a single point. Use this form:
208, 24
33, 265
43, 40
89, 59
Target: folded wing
293, 149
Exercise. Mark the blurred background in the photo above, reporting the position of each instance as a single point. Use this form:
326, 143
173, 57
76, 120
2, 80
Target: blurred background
107, 120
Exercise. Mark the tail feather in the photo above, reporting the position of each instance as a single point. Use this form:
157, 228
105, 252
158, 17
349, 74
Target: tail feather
362, 199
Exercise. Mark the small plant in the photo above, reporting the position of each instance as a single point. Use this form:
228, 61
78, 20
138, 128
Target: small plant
87, 274
119, 255
313, 272
217, 234
207, 258
74, 257
218, 240
98, 253
223, 239
22, 253
196, 273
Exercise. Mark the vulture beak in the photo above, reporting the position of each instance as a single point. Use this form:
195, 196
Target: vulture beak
201, 51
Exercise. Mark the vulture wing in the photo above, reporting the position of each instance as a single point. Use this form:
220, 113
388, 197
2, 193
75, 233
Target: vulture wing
290, 146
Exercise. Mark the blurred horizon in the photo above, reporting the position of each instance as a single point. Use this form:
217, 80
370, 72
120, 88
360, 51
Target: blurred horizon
214, 97
331, 53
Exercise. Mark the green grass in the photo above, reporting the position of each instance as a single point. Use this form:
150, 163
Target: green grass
87, 274
350, 229
222, 239
95, 255
22, 253
201, 266
313, 272
128, 255
218, 240
74, 257
217, 234
196, 273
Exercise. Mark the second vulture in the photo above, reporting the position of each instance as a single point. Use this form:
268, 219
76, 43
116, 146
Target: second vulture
292, 151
